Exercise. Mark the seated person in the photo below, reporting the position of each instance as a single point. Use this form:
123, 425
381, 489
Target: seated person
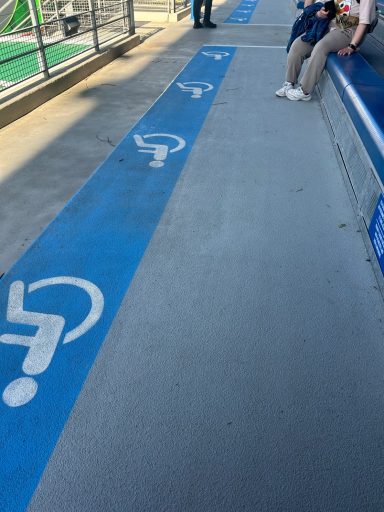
346, 32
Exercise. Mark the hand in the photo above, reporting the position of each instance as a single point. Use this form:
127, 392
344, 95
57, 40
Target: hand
322, 13
346, 51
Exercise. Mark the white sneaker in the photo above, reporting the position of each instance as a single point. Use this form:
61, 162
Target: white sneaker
298, 94
283, 91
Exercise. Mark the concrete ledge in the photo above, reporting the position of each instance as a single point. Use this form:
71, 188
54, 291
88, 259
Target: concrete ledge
362, 177
352, 98
364, 103
162, 15
25, 102
179, 15
361, 90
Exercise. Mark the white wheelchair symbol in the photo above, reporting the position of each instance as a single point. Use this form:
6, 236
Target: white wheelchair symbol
43, 344
239, 19
160, 151
244, 12
216, 55
195, 88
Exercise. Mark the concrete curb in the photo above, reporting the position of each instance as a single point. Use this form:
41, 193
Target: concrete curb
26, 102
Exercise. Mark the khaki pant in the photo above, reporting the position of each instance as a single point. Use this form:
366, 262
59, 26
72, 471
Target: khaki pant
333, 41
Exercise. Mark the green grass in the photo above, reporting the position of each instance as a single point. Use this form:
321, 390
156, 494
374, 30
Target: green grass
27, 65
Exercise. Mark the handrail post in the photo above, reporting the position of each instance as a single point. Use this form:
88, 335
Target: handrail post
125, 6
131, 16
41, 57
96, 45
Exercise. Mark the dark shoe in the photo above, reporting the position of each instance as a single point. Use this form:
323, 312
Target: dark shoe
197, 24
209, 24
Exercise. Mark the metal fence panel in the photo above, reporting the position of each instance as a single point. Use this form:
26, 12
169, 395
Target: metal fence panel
69, 29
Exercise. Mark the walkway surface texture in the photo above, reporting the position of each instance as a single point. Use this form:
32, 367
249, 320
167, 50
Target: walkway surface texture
199, 328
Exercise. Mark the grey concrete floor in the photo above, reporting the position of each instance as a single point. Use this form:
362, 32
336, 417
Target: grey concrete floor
245, 369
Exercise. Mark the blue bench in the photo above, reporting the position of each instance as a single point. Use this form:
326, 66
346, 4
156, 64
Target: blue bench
361, 90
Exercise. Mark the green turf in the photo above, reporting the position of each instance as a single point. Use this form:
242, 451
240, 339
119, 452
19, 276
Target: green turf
27, 65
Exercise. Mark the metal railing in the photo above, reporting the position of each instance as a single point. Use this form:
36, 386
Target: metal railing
169, 6
39, 48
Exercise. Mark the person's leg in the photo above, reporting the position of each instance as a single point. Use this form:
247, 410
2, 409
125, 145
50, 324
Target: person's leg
196, 10
331, 42
207, 15
298, 52
207, 10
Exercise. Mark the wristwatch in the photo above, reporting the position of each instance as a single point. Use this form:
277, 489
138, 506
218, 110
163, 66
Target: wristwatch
353, 46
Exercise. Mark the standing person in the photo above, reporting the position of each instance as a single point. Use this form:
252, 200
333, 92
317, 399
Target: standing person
346, 33
207, 14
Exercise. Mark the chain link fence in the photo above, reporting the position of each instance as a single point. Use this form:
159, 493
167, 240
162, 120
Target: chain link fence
170, 6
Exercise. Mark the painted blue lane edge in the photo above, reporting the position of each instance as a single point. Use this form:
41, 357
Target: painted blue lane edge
99, 238
243, 12
376, 231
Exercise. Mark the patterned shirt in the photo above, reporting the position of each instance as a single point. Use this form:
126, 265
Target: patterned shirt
365, 11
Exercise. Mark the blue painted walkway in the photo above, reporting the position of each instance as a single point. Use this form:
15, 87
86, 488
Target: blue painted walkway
118, 218
243, 12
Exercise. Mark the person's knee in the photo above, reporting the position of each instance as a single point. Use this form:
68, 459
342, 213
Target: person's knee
320, 50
